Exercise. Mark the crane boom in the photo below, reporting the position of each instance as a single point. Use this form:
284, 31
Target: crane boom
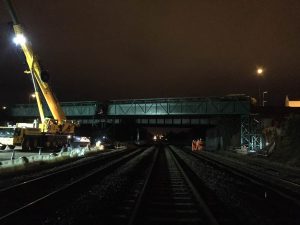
35, 68
51, 133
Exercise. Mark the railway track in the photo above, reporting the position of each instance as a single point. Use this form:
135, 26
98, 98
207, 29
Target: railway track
163, 188
169, 197
170, 194
284, 175
8, 180
38, 196
273, 200
283, 187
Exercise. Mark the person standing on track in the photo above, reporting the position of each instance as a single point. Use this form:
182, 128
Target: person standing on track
198, 144
194, 145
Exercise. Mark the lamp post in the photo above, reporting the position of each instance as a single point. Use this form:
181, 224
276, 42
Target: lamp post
260, 73
263, 98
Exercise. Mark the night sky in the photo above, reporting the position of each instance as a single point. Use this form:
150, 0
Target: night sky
120, 49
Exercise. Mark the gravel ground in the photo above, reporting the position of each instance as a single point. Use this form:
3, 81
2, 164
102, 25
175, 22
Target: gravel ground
241, 199
261, 164
99, 201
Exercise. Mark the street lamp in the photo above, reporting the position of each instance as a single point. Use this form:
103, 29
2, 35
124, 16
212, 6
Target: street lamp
263, 98
260, 71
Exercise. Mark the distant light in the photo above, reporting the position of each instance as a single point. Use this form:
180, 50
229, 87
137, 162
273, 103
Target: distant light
33, 95
154, 137
69, 136
98, 143
84, 139
4, 107
19, 39
103, 137
260, 71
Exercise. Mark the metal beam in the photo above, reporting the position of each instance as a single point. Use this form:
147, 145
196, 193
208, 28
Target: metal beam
71, 109
180, 106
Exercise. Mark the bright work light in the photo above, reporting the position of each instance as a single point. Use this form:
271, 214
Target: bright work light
19, 39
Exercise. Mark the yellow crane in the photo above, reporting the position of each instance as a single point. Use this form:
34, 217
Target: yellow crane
51, 131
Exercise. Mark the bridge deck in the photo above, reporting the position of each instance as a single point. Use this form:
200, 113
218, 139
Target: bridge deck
180, 106
143, 107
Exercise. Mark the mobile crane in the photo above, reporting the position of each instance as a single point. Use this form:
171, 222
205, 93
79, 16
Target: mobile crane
49, 132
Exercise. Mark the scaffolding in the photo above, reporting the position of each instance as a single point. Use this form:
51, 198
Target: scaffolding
251, 133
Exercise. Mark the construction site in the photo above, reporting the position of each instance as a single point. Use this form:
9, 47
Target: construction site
224, 159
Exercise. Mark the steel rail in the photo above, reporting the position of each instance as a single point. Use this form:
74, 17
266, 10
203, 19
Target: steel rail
142, 192
72, 165
254, 177
252, 169
142, 198
62, 190
196, 193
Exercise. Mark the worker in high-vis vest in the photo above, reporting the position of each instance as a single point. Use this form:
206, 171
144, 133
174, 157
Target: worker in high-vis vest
200, 145
194, 147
